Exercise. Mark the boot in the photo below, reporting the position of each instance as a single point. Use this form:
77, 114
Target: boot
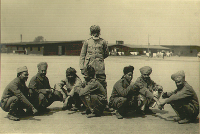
12, 116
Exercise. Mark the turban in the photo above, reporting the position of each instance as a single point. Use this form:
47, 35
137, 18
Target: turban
70, 71
146, 70
128, 69
179, 73
95, 29
42, 66
89, 70
22, 69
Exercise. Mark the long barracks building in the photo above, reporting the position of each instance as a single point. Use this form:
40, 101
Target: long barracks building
74, 48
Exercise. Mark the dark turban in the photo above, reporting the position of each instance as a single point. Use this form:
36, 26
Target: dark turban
89, 70
94, 29
128, 69
42, 66
146, 70
70, 71
179, 73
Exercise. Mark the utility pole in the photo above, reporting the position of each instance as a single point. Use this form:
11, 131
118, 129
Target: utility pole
148, 43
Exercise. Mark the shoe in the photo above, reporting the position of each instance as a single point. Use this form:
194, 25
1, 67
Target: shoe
87, 111
93, 115
12, 117
183, 121
139, 111
118, 115
74, 109
176, 119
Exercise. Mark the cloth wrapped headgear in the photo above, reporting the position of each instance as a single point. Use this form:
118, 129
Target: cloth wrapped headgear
128, 69
42, 66
70, 71
146, 70
94, 29
179, 73
22, 69
89, 70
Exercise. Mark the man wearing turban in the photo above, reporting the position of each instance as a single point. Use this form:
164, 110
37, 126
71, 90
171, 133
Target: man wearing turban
94, 51
145, 83
92, 94
15, 97
42, 94
183, 100
68, 88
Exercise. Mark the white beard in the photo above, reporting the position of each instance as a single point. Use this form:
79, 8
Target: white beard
95, 38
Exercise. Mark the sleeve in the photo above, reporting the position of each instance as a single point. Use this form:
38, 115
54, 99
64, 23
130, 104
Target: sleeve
123, 91
60, 87
184, 93
89, 88
20, 95
83, 54
33, 84
47, 86
106, 50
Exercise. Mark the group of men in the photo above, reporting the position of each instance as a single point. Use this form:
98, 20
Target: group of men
91, 94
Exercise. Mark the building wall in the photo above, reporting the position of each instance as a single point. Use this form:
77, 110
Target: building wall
35, 50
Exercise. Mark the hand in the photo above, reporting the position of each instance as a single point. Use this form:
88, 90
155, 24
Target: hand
82, 71
161, 106
34, 111
164, 95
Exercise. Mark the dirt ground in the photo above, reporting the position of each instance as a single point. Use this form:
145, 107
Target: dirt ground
59, 121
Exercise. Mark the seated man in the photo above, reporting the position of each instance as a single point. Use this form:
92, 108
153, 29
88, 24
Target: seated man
92, 93
145, 83
67, 88
121, 98
183, 100
41, 94
15, 96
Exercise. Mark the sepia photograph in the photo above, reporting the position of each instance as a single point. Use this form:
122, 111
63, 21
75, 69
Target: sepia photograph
100, 67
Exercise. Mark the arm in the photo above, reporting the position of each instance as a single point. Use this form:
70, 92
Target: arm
105, 49
123, 91
83, 54
90, 87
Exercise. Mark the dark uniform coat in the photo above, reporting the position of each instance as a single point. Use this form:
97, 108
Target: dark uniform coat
16, 88
93, 53
184, 100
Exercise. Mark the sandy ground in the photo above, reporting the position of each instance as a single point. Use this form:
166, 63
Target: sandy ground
58, 121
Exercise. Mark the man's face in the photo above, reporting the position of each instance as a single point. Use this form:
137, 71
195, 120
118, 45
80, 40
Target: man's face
42, 72
71, 77
24, 76
145, 76
87, 77
179, 80
129, 76
96, 34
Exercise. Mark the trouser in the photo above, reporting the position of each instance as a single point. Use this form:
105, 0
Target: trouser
95, 103
123, 105
185, 109
75, 99
102, 79
44, 99
12, 105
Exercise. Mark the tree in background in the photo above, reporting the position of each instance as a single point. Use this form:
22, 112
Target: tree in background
39, 39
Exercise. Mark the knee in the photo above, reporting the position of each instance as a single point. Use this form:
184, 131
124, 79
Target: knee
58, 96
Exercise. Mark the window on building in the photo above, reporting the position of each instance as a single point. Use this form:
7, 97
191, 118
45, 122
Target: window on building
31, 49
23, 48
17, 48
191, 51
38, 48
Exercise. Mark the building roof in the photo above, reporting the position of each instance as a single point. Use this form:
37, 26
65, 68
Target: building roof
140, 46
38, 43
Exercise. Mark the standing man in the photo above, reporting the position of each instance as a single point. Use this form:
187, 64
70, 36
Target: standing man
93, 52
15, 96
145, 83
42, 94
183, 100
68, 89
92, 93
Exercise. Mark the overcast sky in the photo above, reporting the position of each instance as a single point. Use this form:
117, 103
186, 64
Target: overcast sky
171, 22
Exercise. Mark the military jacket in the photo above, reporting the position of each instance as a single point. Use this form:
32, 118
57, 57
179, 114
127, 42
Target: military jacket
37, 82
186, 94
93, 53
16, 88
93, 87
